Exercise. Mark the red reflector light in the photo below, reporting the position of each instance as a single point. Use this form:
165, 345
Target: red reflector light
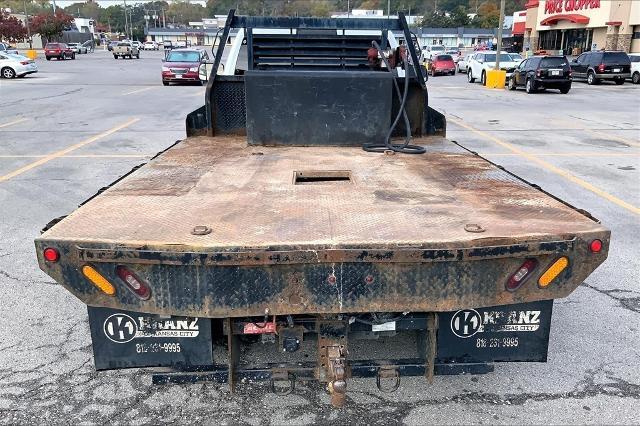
51, 254
135, 284
517, 279
595, 246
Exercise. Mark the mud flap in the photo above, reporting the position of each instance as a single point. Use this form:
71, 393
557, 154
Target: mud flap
501, 333
123, 339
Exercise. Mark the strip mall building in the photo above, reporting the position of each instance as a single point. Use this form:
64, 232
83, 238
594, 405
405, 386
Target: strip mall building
575, 26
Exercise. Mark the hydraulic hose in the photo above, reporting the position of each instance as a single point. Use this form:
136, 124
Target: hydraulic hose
405, 148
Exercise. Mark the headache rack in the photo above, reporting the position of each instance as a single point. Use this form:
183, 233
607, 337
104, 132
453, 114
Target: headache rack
306, 46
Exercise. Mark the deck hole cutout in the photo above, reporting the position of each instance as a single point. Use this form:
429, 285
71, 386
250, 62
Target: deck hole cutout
308, 177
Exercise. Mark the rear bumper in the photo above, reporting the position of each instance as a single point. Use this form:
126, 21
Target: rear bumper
232, 284
556, 82
613, 76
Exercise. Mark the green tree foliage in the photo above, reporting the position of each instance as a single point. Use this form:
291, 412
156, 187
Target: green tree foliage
33, 7
89, 9
488, 15
50, 26
11, 28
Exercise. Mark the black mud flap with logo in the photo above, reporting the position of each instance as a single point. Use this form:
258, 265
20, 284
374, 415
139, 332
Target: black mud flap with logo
123, 339
501, 333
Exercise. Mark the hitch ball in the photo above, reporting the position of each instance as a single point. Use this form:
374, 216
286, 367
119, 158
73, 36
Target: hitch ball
290, 344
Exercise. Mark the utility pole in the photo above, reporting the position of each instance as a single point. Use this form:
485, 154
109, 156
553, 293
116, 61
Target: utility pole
54, 6
164, 19
388, 9
126, 27
499, 44
26, 18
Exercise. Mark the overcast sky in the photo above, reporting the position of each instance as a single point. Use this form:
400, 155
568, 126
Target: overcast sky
106, 3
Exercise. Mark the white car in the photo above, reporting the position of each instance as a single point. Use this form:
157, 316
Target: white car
137, 44
5, 48
454, 53
463, 62
12, 66
635, 68
428, 52
483, 61
150, 45
517, 58
77, 48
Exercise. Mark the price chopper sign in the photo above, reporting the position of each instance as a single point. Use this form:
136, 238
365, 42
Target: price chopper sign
560, 6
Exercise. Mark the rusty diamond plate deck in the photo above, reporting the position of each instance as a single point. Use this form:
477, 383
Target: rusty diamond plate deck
247, 196
394, 238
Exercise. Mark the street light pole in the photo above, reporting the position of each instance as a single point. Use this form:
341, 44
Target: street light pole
499, 44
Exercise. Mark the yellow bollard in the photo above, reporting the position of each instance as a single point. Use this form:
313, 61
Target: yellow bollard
31, 54
496, 79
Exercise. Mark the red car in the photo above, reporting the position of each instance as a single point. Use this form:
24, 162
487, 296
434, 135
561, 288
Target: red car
182, 65
58, 50
443, 64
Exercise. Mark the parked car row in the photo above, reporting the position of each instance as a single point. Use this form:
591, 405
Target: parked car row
553, 72
483, 61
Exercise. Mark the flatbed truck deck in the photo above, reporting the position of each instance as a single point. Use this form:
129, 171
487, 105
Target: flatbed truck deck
285, 206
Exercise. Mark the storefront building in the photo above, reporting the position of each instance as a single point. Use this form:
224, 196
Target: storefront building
571, 27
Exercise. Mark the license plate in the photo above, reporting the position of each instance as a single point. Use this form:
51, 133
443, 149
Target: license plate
178, 75
616, 70
555, 72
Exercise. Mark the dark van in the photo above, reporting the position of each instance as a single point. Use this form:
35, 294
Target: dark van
542, 72
602, 65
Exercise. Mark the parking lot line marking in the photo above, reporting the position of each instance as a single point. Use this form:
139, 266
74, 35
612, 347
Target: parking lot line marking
11, 123
550, 167
67, 150
139, 90
83, 156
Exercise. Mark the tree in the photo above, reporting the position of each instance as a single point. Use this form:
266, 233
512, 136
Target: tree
11, 28
50, 26
436, 20
488, 15
459, 17
89, 9
33, 7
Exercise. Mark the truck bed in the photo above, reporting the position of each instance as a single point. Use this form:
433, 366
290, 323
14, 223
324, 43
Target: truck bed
246, 195
446, 205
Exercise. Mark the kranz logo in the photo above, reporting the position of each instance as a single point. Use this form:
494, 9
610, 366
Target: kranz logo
122, 328
466, 323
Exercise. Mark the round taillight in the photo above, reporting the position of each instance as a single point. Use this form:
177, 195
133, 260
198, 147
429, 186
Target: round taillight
51, 254
595, 246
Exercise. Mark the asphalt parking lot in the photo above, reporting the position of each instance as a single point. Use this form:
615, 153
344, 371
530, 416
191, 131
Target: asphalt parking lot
76, 126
